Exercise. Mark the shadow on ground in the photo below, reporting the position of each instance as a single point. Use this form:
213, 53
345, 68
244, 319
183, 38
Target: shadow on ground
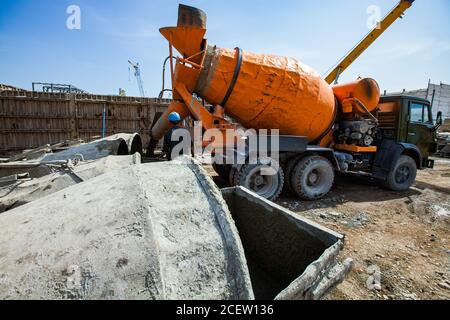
347, 188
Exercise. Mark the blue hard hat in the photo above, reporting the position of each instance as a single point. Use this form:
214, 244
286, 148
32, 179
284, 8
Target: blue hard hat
174, 117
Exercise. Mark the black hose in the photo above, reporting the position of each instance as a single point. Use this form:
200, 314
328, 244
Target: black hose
161, 94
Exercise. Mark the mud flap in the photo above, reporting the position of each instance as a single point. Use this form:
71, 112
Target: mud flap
386, 156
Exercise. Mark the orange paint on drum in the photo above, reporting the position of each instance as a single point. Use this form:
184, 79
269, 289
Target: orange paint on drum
270, 92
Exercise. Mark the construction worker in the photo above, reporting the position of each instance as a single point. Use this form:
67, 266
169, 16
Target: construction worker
175, 119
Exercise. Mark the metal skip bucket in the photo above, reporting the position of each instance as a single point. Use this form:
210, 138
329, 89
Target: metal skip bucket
288, 257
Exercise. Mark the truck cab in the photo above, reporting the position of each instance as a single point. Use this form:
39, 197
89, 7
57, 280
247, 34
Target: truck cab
408, 120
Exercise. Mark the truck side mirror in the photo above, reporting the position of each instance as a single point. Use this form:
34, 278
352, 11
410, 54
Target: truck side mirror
439, 119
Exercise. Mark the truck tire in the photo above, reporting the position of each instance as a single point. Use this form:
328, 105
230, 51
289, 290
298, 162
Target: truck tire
403, 174
312, 177
266, 186
288, 172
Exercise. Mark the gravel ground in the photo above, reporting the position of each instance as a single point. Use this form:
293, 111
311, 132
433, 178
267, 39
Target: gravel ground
399, 241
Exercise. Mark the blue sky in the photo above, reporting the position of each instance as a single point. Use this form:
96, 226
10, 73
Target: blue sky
35, 44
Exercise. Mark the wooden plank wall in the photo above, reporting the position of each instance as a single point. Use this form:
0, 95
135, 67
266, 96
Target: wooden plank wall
33, 119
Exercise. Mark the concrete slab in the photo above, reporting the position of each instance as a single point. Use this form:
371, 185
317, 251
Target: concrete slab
150, 231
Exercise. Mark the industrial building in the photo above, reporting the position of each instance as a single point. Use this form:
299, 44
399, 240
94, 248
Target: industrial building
439, 94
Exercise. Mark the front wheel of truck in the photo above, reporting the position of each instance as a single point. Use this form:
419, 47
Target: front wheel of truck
403, 175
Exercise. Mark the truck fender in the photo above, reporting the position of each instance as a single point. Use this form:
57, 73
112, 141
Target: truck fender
414, 152
327, 153
387, 155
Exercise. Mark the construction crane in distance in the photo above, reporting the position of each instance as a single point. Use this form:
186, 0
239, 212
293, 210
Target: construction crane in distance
137, 74
373, 35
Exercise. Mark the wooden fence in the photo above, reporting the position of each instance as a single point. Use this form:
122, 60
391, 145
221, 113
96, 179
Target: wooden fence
31, 119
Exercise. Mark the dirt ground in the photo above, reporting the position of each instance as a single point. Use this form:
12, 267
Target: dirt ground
402, 239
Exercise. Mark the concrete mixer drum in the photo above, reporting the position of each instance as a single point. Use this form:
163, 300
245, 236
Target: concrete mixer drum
322, 128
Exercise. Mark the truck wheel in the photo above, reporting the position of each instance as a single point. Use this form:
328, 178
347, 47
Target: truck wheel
266, 186
313, 177
289, 170
403, 175
222, 170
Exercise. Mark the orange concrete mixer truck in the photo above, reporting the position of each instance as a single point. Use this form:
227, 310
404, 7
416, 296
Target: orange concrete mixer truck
321, 128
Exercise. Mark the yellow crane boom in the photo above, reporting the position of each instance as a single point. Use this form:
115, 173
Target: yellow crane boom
391, 17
